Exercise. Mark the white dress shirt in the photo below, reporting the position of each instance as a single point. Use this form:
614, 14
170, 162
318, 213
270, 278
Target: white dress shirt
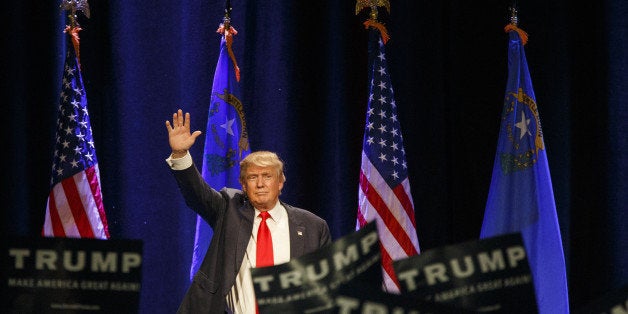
241, 298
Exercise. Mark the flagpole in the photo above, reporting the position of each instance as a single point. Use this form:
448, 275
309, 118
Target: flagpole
513, 13
226, 20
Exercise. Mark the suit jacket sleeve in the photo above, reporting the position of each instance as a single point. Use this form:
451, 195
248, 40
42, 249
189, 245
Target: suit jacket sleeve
199, 196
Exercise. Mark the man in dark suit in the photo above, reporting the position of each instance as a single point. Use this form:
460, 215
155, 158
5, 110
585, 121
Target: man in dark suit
223, 282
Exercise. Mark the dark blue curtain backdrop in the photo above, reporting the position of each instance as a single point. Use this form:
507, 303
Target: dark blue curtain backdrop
304, 88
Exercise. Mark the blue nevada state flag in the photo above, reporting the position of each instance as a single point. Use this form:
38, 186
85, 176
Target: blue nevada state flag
520, 197
226, 143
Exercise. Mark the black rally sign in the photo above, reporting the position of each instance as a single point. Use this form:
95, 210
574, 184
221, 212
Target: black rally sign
490, 275
67, 275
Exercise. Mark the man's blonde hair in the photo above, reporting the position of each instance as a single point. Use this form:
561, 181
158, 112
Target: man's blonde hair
262, 159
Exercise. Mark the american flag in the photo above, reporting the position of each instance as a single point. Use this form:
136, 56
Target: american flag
75, 208
384, 193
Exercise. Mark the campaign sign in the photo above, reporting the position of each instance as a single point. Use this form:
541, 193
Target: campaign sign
67, 275
490, 275
358, 299
307, 283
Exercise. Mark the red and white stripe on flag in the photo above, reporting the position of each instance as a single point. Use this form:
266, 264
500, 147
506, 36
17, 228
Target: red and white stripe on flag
75, 208
393, 211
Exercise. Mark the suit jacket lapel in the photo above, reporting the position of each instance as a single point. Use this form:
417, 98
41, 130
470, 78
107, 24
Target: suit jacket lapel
244, 233
297, 232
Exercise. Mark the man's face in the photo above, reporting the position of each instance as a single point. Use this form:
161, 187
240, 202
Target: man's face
262, 186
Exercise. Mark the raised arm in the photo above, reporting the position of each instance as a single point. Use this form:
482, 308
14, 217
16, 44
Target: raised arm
179, 136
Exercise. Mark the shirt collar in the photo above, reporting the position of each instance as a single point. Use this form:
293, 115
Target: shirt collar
277, 213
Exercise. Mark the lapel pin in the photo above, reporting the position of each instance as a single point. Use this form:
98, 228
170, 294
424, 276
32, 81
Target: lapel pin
300, 233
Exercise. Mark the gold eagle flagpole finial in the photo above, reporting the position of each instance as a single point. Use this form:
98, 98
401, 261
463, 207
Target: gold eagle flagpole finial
73, 6
372, 21
373, 4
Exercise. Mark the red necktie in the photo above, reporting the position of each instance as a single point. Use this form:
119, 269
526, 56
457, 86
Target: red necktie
264, 244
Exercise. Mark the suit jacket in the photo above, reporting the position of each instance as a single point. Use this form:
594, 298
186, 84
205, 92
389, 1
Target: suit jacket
231, 217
